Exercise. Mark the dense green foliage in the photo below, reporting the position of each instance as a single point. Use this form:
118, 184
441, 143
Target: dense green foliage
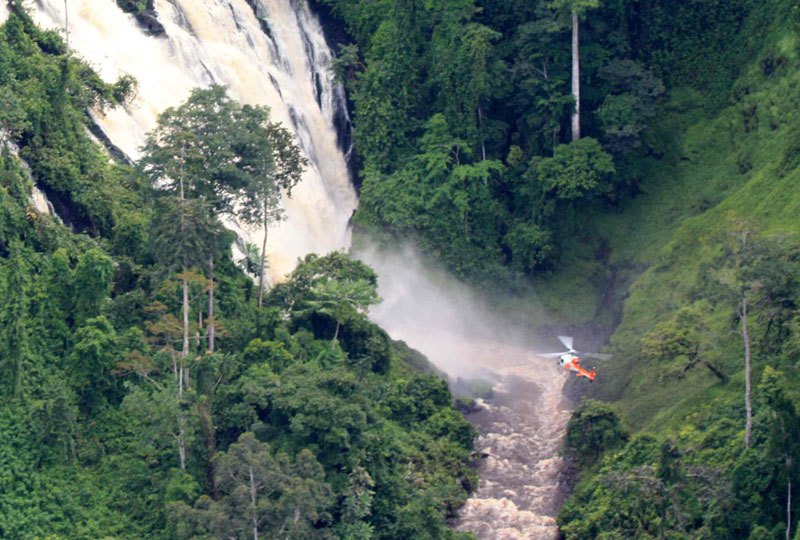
461, 110
108, 427
593, 429
460, 118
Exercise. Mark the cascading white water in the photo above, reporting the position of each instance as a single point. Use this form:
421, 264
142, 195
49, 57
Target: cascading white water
273, 53
38, 200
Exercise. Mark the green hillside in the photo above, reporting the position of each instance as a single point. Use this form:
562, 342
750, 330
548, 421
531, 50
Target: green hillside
718, 173
696, 104
674, 213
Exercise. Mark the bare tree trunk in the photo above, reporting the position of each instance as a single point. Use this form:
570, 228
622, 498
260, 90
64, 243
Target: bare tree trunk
185, 285
335, 335
185, 350
263, 266
748, 427
253, 502
180, 380
211, 323
576, 80
199, 323
182, 370
185, 281
789, 508
182, 442
66, 24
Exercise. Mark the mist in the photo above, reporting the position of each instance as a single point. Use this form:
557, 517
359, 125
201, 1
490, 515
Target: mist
461, 332
522, 421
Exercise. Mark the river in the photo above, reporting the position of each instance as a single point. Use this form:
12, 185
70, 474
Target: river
521, 430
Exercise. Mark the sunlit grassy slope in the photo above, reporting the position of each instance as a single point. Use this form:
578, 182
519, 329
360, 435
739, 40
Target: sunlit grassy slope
708, 173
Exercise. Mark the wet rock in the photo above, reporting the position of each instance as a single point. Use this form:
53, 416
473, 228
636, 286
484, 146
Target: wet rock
467, 405
148, 20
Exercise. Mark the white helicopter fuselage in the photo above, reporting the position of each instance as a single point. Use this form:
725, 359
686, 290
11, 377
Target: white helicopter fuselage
567, 360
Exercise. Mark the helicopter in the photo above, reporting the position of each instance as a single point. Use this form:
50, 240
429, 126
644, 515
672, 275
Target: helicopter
570, 359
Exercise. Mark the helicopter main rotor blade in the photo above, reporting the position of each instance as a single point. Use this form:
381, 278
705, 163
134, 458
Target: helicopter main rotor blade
598, 356
551, 355
567, 341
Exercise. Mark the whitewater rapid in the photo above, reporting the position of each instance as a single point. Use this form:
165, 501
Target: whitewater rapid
521, 430
273, 53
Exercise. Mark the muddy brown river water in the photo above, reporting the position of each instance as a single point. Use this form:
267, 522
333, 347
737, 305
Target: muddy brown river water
521, 430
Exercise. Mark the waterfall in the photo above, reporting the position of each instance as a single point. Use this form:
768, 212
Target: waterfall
267, 52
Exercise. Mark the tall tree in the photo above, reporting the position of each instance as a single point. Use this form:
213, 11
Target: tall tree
191, 150
212, 157
262, 495
184, 234
736, 276
751, 271
576, 9
188, 156
229, 157
274, 165
540, 74
180, 248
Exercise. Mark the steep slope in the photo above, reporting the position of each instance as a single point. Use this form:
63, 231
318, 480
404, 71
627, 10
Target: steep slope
675, 254
646, 251
737, 168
